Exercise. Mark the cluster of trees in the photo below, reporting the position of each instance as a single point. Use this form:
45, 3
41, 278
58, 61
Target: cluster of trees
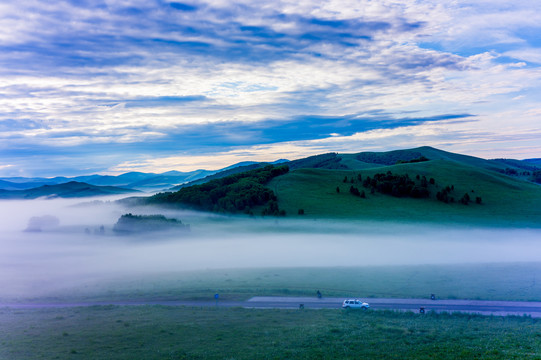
419, 159
352, 179
390, 158
232, 194
397, 185
444, 194
272, 209
514, 172
355, 191
533, 175
536, 176
129, 223
466, 199
403, 186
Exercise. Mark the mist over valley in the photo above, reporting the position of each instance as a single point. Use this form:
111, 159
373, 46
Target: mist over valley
79, 248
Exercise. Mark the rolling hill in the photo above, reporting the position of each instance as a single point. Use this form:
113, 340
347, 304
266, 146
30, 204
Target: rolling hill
415, 185
504, 200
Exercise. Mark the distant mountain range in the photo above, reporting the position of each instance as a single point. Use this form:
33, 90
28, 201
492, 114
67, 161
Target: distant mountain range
132, 180
100, 185
149, 182
71, 189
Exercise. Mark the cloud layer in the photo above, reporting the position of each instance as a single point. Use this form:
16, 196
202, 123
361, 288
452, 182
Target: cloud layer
91, 86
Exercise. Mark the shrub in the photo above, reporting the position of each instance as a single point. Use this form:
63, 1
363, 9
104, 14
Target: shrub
353, 190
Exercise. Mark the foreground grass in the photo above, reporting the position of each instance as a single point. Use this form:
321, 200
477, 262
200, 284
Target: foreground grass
157, 332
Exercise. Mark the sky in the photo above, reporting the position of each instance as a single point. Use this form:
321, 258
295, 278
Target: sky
112, 86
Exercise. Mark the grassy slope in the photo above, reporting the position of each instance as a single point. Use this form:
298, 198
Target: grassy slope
157, 332
506, 201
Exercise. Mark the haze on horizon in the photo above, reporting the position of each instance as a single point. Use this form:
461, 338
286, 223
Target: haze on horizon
114, 86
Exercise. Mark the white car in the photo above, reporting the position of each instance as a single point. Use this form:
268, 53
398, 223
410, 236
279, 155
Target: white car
355, 304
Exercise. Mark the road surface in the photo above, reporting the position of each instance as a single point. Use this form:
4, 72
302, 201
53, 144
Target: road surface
501, 308
467, 306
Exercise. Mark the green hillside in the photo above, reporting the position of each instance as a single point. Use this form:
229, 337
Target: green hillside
503, 199
239, 193
421, 185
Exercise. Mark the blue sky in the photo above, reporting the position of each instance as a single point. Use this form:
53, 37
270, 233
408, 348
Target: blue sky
149, 85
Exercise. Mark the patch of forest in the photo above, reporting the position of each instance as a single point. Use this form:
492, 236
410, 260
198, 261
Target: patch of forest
129, 223
238, 193
391, 157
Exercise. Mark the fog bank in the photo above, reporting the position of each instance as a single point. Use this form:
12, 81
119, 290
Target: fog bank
34, 263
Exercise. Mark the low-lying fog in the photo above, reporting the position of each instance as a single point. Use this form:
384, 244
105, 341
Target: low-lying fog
77, 244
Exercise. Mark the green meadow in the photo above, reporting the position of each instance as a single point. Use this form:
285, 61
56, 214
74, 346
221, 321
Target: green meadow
158, 332
163, 332
503, 281
167, 332
505, 201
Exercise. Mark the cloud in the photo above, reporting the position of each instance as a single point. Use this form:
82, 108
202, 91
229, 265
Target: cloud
528, 55
158, 77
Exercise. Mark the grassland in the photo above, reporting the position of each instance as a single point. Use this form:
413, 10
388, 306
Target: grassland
480, 282
505, 201
160, 332
157, 332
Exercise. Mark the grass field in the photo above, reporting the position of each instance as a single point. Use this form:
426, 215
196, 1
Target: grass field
160, 332
505, 201
503, 281
157, 332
